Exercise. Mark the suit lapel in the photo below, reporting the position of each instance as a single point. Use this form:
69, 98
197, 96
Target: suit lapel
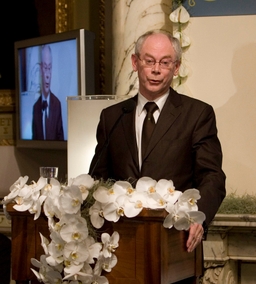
128, 124
168, 115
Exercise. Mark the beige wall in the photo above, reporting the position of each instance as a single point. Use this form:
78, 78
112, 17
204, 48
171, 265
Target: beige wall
222, 59
9, 170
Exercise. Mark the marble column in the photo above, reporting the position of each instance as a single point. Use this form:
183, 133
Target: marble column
132, 18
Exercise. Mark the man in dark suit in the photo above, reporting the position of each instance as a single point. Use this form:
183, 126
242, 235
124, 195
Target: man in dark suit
183, 147
47, 117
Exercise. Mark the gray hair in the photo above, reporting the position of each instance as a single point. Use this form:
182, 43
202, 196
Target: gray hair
43, 48
174, 41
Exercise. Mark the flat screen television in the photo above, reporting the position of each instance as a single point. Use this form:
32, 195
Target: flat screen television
60, 65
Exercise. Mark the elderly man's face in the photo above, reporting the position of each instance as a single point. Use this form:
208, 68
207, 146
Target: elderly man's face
46, 68
155, 80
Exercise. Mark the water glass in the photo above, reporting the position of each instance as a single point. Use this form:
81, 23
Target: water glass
48, 173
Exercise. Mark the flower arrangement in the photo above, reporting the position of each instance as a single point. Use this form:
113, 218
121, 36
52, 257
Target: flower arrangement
180, 19
75, 253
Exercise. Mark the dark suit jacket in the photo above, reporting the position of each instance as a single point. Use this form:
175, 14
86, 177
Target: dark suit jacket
184, 148
54, 122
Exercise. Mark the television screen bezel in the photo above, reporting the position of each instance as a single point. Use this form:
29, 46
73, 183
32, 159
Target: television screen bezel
79, 36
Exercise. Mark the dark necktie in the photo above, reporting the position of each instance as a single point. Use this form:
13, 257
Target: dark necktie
44, 105
148, 126
44, 108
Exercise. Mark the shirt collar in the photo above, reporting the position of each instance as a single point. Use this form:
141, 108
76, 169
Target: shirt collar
159, 101
46, 99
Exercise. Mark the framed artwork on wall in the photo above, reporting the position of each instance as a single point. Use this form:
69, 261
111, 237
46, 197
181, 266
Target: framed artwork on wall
203, 8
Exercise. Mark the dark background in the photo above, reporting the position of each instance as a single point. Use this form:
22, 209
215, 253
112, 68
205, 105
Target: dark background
20, 20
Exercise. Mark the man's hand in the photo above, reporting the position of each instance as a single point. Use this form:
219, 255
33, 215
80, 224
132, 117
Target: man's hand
196, 232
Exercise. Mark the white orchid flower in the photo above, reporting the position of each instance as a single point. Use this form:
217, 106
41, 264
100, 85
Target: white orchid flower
51, 190
44, 243
105, 264
103, 194
96, 215
15, 189
19, 183
113, 211
28, 198
93, 249
167, 190
135, 204
23, 204
44, 268
72, 218
76, 252
99, 279
108, 195
71, 200
184, 40
52, 260
33, 189
124, 187
51, 208
175, 213
32, 204
85, 275
71, 268
36, 207
110, 243
146, 184
183, 221
55, 248
156, 201
84, 182
75, 229
180, 15
153, 199
88, 278
54, 277
190, 217
188, 200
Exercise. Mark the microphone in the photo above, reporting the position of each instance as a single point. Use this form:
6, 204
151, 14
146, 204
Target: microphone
128, 107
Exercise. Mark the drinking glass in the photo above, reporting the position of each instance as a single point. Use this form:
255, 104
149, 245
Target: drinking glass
48, 173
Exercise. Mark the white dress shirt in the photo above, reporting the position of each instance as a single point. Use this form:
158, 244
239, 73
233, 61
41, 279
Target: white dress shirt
45, 112
141, 114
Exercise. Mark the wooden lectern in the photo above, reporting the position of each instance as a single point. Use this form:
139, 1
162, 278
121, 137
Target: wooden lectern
147, 252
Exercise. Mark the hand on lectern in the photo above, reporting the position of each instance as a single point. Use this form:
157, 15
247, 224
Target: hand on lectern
195, 237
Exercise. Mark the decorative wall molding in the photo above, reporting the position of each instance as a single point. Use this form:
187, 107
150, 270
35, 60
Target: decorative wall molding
7, 117
64, 15
7, 99
230, 244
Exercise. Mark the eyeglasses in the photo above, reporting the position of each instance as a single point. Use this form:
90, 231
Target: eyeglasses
47, 68
164, 63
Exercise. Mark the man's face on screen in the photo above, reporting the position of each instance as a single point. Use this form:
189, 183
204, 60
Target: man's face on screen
46, 67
